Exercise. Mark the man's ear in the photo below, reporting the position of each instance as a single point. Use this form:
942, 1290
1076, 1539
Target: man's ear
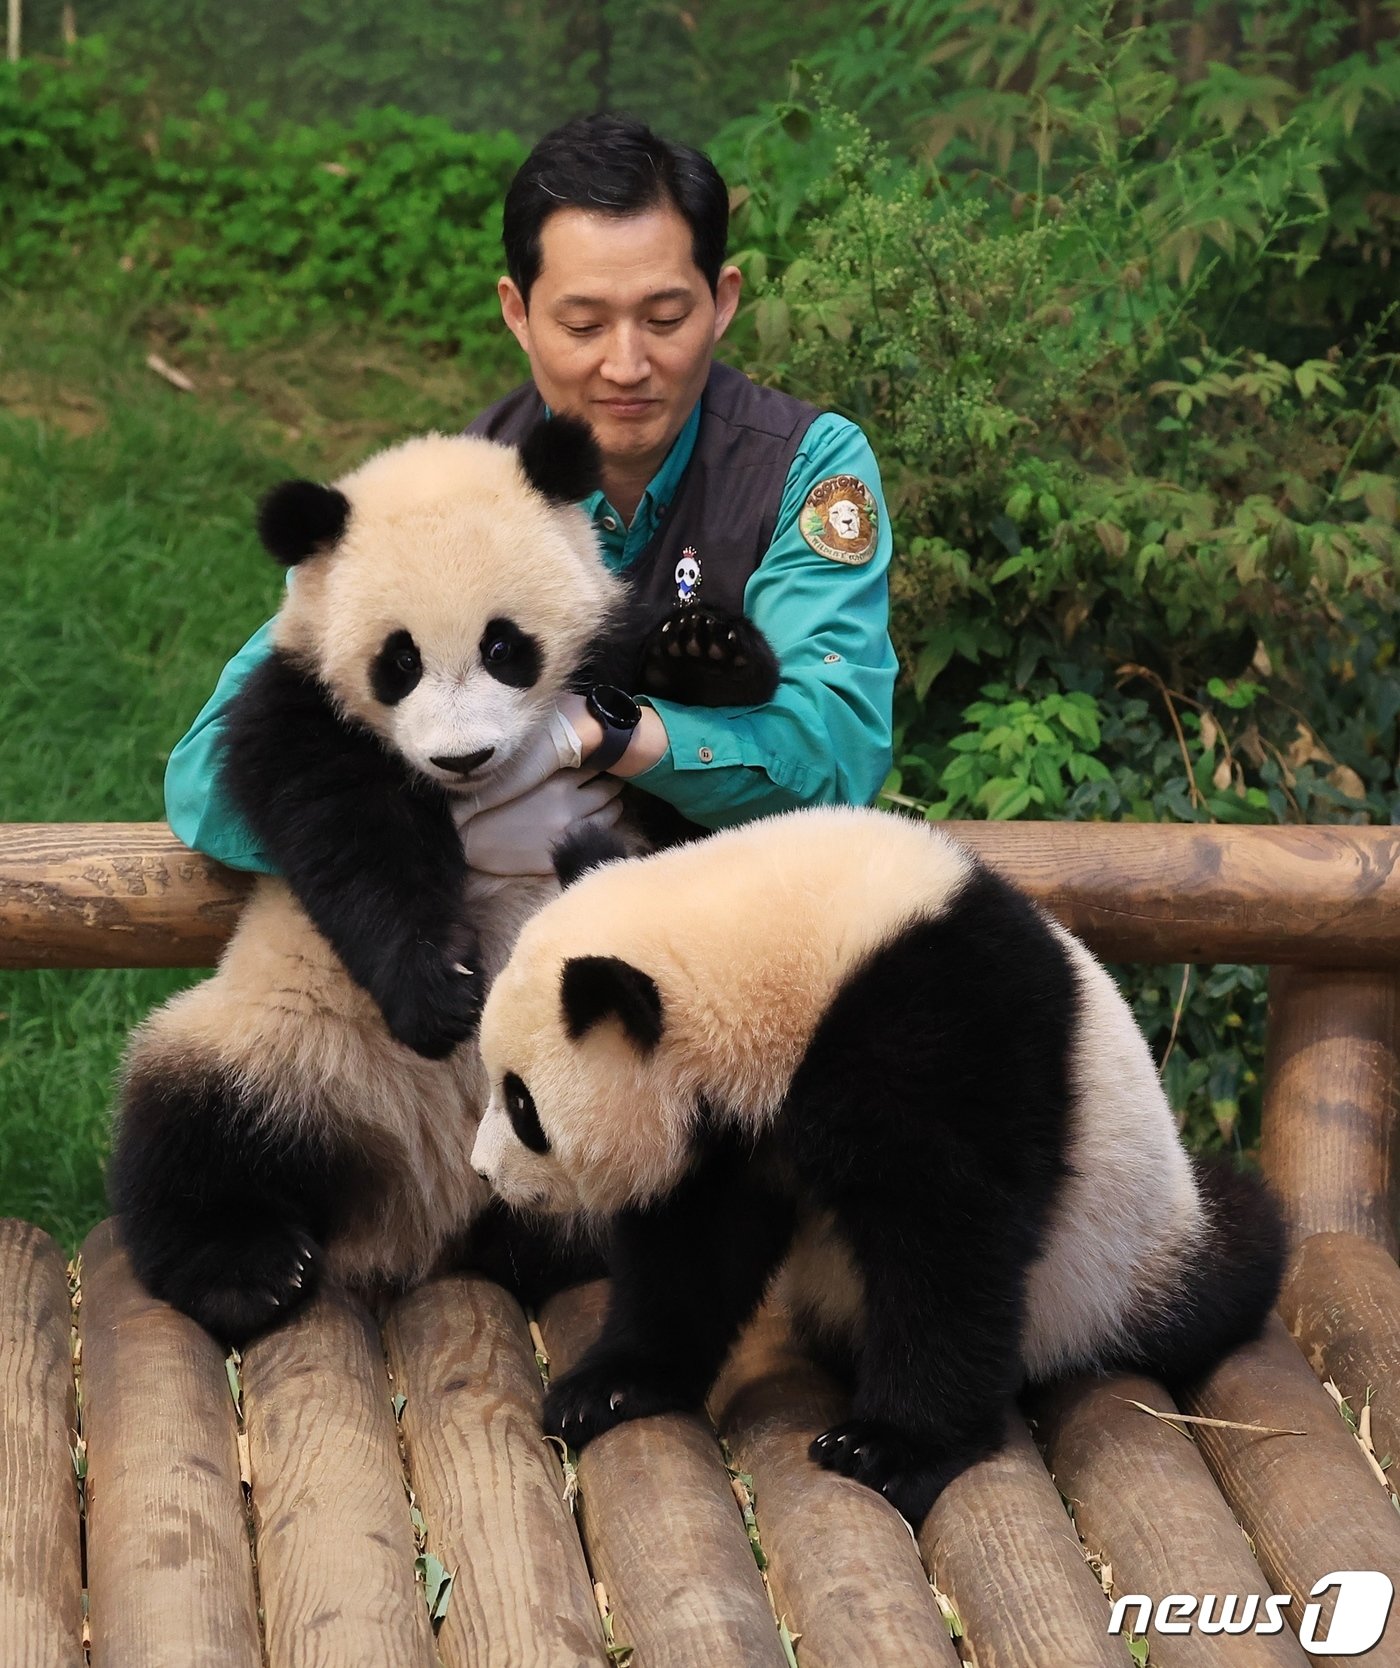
605, 987
299, 518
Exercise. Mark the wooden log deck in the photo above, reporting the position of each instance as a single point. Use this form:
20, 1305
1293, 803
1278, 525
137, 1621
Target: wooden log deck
161, 1504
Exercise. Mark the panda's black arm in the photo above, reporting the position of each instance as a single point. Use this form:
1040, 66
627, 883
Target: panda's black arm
687, 1273
370, 851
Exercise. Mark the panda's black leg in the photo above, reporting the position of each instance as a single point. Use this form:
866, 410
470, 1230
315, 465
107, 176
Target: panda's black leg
931, 1116
223, 1211
687, 1273
940, 1361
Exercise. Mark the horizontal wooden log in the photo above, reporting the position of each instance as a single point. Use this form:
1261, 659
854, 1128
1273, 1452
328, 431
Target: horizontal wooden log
488, 1485
663, 1529
101, 894
334, 1539
999, 1543
1310, 1503
170, 1570
41, 1583
1341, 1302
1332, 1101
1145, 1505
130, 895
843, 1570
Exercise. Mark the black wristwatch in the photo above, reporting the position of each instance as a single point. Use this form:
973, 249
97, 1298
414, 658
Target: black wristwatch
619, 715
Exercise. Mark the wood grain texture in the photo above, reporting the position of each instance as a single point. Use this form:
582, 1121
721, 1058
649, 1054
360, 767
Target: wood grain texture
1146, 1504
111, 895
130, 895
41, 1583
1331, 1097
1000, 1544
664, 1532
1309, 1503
170, 1572
1341, 1302
335, 1545
842, 1566
488, 1484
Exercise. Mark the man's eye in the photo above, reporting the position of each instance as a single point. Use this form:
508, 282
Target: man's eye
581, 329
666, 324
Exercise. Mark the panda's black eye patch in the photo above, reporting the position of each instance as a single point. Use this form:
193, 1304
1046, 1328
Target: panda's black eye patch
397, 668
524, 1119
509, 654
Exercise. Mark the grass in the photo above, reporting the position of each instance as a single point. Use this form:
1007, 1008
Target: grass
131, 575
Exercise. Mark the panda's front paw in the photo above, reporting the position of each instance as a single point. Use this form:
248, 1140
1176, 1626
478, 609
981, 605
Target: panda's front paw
243, 1282
705, 658
437, 1003
908, 1473
594, 1397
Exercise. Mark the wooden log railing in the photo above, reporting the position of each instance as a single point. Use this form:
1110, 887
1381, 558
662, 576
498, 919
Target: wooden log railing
220, 1533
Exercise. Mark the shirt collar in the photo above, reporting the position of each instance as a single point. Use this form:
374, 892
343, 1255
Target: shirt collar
661, 488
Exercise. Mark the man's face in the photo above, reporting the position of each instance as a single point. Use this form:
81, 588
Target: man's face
621, 326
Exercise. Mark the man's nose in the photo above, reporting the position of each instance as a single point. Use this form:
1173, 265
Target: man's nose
626, 360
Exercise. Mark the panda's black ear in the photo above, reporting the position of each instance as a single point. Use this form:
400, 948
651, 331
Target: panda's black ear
562, 460
298, 518
585, 849
602, 987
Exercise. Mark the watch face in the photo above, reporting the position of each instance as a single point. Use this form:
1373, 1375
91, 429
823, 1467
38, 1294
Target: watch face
614, 707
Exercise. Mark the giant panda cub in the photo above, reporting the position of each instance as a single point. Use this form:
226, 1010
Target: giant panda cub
313, 1105
832, 1041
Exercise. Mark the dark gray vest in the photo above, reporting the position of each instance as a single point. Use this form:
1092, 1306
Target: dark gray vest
726, 508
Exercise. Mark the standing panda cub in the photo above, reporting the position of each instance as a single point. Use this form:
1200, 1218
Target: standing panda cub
833, 1042
311, 1108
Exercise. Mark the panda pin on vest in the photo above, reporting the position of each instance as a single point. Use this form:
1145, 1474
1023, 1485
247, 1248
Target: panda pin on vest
833, 1043
312, 1107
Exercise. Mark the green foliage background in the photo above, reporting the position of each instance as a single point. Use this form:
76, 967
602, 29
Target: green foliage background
1112, 290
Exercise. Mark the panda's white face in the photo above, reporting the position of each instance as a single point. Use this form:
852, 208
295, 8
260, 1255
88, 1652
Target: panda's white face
586, 1113
453, 609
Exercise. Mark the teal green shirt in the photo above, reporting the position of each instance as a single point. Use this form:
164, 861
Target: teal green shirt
824, 738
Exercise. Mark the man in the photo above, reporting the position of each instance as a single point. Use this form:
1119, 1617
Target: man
713, 489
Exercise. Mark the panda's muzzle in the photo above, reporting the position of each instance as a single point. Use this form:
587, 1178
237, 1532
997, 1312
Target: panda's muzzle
462, 764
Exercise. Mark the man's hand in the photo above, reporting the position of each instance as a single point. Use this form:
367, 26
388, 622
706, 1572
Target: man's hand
519, 836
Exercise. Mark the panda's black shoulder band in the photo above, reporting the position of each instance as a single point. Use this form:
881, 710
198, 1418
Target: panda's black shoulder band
561, 459
299, 518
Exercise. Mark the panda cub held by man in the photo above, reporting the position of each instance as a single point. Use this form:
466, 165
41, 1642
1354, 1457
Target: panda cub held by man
311, 1108
835, 1043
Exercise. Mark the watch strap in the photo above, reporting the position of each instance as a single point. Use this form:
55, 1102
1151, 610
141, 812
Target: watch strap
611, 748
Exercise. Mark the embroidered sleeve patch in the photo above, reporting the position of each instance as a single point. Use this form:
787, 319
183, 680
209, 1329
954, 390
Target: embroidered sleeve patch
840, 519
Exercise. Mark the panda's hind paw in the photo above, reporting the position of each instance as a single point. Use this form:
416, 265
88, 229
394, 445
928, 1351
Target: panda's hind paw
909, 1474
703, 657
238, 1288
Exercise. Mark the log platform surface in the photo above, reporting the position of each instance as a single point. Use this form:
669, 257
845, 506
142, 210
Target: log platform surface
373, 1491
282, 1511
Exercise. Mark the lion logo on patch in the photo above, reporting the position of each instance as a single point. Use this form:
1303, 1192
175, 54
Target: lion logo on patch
840, 520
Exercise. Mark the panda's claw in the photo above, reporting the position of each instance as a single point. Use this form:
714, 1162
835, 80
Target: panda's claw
908, 1472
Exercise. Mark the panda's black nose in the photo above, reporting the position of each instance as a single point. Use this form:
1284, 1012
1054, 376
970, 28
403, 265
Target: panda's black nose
464, 763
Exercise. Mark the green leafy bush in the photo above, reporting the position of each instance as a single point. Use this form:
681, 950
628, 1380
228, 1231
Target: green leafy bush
388, 217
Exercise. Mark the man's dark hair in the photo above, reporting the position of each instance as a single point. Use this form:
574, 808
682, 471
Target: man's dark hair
613, 165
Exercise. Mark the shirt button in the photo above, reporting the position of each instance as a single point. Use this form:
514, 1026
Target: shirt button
831, 659
706, 755
610, 523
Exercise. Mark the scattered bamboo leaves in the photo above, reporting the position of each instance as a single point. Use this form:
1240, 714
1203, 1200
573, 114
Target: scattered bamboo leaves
1201, 1419
437, 1586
